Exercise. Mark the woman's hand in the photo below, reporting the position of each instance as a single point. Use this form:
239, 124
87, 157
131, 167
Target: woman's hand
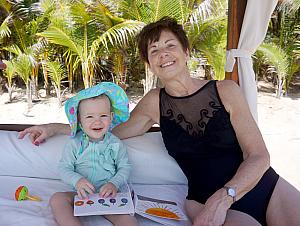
214, 211
107, 190
38, 134
83, 187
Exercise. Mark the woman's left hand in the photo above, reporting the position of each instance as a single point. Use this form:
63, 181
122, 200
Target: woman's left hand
214, 211
107, 190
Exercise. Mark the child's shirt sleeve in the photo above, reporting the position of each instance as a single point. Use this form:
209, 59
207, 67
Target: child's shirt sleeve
123, 166
67, 163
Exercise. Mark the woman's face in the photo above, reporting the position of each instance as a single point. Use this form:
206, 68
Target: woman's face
167, 57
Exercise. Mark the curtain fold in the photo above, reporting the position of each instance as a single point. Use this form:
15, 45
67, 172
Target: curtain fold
253, 32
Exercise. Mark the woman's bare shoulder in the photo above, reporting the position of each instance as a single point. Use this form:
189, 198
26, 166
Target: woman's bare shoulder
230, 93
151, 97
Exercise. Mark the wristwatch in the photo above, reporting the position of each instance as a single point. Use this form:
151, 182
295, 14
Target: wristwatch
231, 191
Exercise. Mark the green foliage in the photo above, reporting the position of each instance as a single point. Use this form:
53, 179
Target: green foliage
9, 72
4, 28
23, 66
86, 35
276, 58
56, 72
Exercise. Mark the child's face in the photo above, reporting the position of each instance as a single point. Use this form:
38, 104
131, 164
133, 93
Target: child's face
95, 116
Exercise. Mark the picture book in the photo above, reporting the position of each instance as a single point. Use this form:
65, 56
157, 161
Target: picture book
126, 202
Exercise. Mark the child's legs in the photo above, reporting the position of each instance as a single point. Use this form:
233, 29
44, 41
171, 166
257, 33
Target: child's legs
233, 218
122, 220
62, 208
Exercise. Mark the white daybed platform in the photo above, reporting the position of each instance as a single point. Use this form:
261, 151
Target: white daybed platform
21, 163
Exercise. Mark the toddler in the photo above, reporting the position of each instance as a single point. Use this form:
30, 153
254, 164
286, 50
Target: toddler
94, 160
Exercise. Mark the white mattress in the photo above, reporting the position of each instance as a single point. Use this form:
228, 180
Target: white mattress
21, 163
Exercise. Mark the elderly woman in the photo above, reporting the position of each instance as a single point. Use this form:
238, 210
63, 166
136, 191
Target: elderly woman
211, 135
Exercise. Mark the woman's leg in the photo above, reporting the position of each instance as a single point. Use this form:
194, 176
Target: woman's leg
284, 205
62, 208
233, 218
122, 220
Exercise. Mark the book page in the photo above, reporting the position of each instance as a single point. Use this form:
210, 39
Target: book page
96, 205
162, 211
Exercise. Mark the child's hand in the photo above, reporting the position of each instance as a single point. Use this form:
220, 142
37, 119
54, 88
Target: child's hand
83, 186
107, 190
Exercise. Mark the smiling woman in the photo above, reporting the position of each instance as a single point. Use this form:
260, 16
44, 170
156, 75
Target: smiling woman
213, 138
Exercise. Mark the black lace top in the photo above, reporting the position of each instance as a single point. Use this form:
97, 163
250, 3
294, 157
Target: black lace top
197, 132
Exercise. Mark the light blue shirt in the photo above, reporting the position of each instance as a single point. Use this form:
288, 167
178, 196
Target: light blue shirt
99, 162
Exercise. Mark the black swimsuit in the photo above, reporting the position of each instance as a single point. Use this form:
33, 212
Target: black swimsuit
197, 132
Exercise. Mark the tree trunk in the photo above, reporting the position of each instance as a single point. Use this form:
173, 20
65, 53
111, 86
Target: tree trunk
29, 95
85, 75
10, 92
33, 89
46, 80
58, 95
150, 82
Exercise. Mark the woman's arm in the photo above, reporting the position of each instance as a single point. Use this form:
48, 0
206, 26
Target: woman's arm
256, 157
39, 133
255, 154
143, 116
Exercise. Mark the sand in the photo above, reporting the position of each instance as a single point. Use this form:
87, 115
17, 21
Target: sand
279, 121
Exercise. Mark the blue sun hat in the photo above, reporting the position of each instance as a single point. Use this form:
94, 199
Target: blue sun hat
116, 95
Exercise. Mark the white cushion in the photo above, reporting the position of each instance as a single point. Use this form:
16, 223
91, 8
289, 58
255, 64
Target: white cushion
147, 153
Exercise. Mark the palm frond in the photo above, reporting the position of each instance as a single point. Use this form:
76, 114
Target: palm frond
56, 72
207, 10
23, 67
274, 55
173, 8
4, 28
104, 15
297, 41
13, 49
80, 13
118, 35
10, 71
58, 36
6, 5
290, 5
139, 10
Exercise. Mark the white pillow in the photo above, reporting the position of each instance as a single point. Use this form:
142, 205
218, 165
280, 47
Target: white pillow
151, 162
147, 153
19, 157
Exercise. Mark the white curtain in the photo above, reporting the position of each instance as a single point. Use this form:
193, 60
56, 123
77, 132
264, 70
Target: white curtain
254, 29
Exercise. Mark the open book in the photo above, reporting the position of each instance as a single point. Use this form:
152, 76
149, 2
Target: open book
126, 202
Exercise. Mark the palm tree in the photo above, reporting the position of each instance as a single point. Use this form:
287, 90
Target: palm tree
278, 63
9, 73
57, 74
23, 66
23, 22
282, 46
84, 39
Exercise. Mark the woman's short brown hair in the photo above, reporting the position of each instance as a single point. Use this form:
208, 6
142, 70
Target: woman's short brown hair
151, 33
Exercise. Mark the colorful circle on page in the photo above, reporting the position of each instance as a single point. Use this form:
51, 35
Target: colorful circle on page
124, 200
78, 203
101, 201
113, 201
90, 202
